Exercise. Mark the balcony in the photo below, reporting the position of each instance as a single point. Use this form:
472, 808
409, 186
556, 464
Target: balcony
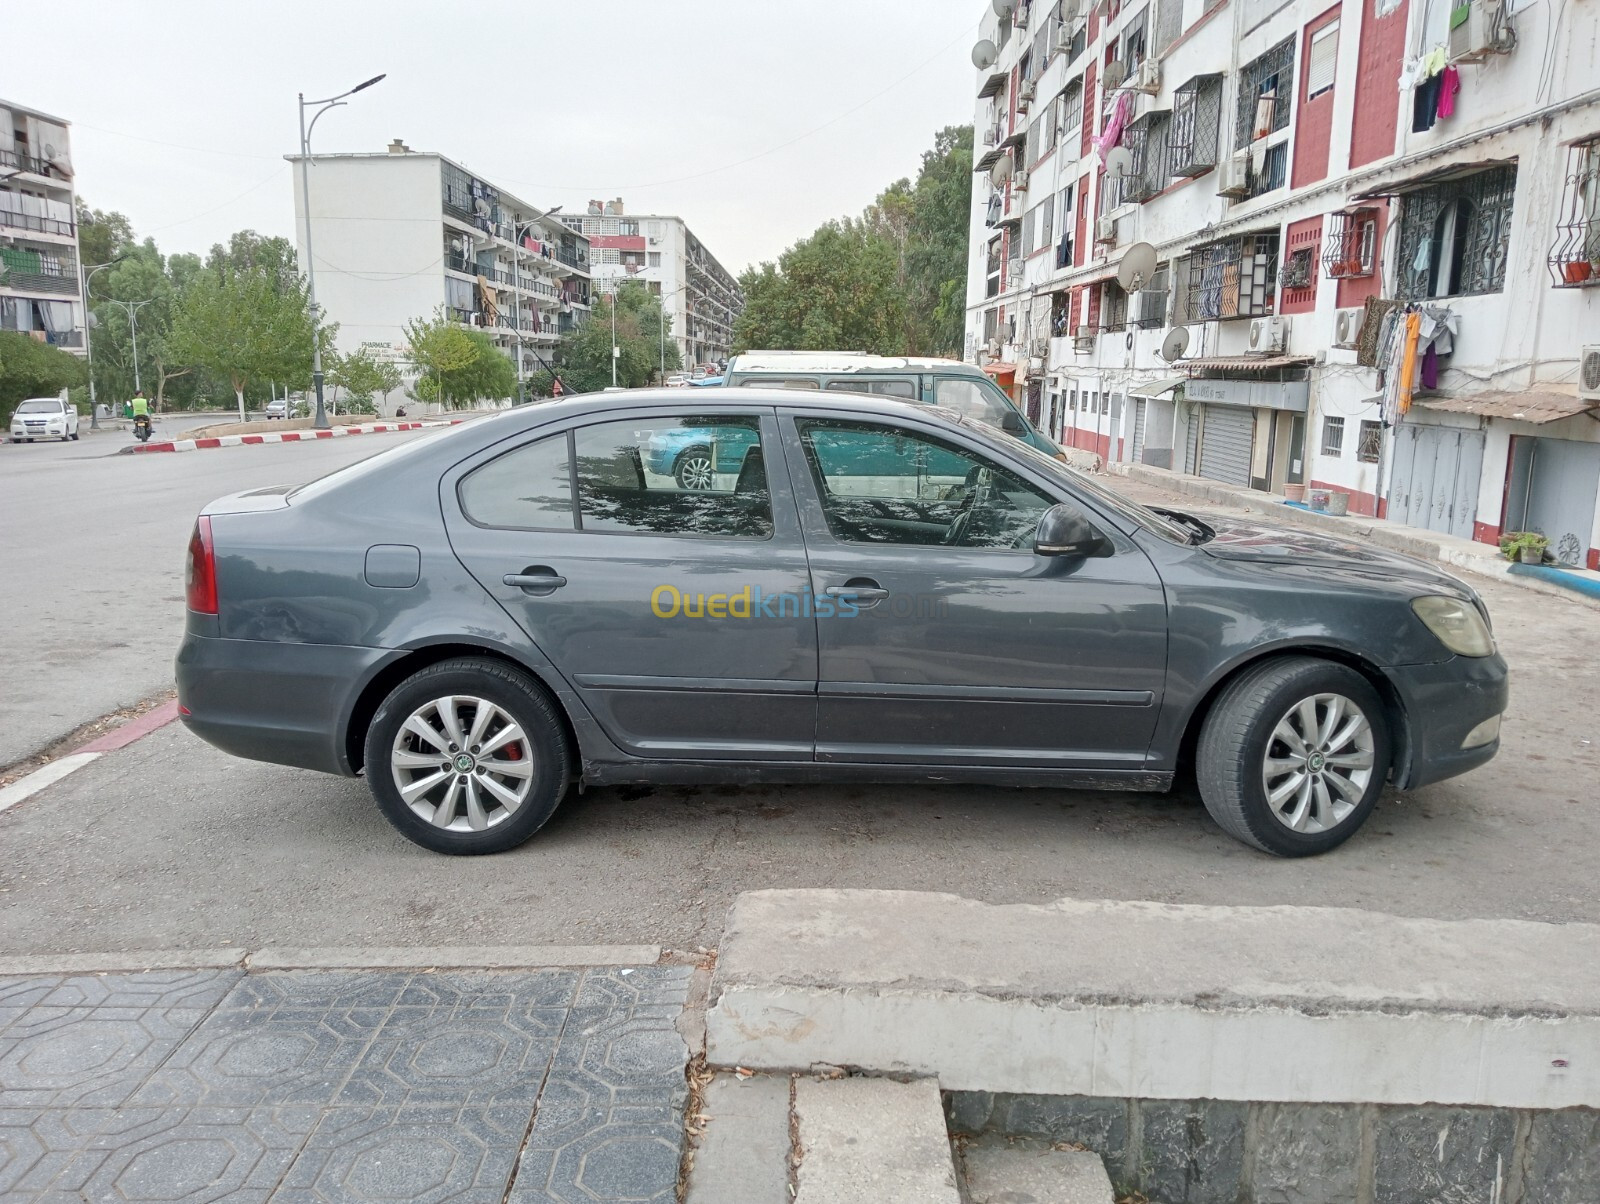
47, 269
1196, 119
17, 219
1574, 258
34, 165
1352, 244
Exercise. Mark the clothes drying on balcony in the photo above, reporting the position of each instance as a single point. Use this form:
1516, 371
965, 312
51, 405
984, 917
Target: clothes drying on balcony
1112, 136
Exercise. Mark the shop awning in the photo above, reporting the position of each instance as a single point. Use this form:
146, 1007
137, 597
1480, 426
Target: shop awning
999, 370
1155, 388
1522, 405
1248, 363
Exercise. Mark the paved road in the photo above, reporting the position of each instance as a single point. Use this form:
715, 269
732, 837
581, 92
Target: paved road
92, 585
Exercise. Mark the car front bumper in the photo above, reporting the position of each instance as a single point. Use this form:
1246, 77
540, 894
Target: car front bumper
269, 701
1443, 704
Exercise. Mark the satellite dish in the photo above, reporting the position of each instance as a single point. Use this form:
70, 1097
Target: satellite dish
1119, 162
1175, 344
1001, 171
1137, 266
984, 55
1116, 71
1002, 8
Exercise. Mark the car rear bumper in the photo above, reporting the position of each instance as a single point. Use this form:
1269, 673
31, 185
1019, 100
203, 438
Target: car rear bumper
271, 701
1443, 704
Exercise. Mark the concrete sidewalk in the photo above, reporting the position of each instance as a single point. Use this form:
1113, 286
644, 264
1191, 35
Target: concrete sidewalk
297, 1085
1579, 585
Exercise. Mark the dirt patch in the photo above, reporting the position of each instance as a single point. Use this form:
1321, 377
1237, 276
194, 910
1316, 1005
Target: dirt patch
80, 736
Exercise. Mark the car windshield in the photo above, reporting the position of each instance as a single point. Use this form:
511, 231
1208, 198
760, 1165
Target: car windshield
1081, 482
39, 407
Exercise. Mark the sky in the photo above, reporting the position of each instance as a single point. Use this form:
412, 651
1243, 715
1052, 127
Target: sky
752, 120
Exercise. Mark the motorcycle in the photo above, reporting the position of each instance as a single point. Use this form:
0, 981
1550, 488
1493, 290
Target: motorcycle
141, 428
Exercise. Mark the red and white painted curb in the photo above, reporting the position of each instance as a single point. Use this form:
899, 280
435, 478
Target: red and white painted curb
120, 737
370, 428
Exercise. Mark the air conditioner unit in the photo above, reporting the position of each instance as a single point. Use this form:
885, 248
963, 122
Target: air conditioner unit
1105, 230
1027, 92
1231, 177
1148, 79
1589, 373
1268, 334
1013, 271
992, 347
655, 240
1020, 19
1346, 326
1481, 33
1019, 181
1083, 339
991, 136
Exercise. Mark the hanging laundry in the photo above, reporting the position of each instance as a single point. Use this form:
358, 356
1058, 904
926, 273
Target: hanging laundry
1425, 105
1430, 368
1408, 361
1433, 62
1112, 136
1377, 309
1449, 85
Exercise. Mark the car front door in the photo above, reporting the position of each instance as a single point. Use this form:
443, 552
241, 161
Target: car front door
951, 641
675, 612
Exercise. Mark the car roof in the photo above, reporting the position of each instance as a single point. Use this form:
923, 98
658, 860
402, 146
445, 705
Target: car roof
707, 400
839, 361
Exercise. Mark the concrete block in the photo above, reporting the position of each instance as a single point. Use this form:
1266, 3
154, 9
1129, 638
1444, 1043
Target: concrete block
1162, 1001
1563, 1158
1100, 1124
873, 1141
1460, 1155
1191, 1152
1033, 1173
744, 1156
968, 1111
1306, 1154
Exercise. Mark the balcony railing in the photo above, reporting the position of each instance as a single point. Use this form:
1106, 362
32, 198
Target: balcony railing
1574, 258
32, 221
39, 270
39, 167
1351, 246
1196, 119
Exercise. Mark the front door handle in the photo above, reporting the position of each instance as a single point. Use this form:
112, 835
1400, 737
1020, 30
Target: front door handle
863, 590
536, 579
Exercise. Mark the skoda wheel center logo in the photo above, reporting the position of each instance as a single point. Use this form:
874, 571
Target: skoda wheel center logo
465, 763
1314, 762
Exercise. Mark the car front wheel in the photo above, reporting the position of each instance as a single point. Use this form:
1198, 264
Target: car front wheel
1293, 756
694, 469
467, 756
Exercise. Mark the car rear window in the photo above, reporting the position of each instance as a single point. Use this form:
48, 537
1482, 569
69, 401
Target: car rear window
529, 487
906, 389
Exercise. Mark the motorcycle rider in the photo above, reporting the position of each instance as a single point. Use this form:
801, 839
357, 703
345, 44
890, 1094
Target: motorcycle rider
141, 411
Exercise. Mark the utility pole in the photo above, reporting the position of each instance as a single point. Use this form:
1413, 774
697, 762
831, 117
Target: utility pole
516, 286
332, 102
132, 310
88, 339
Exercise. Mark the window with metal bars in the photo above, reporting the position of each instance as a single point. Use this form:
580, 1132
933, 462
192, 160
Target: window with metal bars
1574, 258
1266, 169
1072, 108
1333, 436
1351, 246
1169, 24
1454, 236
1113, 306
1151, 310
1369, 445
1299, 268
1147, 139
1234, 278
992, 270
1266, 85
1192, 139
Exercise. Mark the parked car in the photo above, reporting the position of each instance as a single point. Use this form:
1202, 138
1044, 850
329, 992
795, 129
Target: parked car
44, 418
277, 407
942, 382
883, 592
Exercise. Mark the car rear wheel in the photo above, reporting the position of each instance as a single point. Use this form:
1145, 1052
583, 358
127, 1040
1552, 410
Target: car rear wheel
694, 469
467, 756
1293, 756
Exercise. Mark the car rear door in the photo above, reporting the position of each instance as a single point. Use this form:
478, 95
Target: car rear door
658, 603
961, 645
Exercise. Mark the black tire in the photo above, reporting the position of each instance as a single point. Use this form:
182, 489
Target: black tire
686, 469
509, 689
74, 436
1239, 733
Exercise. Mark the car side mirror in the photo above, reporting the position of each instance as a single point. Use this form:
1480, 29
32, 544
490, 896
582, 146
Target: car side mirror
1063, 531
1011, 423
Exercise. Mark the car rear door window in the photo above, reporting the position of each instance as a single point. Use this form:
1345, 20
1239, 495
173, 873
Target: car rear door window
529, 487
904, 389
886, 485
680, 475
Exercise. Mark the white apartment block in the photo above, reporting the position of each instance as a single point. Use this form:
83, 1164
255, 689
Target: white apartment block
1291, 161
700, 298
404, 234
41, 286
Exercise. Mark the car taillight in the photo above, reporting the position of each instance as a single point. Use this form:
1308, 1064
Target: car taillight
200, 574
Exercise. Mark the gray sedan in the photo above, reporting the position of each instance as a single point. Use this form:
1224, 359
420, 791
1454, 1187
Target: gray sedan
854, 589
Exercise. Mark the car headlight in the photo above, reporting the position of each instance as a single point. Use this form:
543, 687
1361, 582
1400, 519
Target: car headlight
1457, 624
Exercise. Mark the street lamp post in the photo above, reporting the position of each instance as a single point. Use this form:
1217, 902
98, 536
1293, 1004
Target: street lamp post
88, 335
331, 102
517, 231
132, 310
616, 352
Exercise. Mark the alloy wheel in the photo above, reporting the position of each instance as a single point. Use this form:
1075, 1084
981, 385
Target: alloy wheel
1318, 763
694, 471
462, 764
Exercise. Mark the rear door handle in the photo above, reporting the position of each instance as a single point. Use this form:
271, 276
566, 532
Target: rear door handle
864, 590
536, 579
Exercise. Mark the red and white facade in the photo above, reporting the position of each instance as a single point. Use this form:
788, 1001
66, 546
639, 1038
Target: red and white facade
1281, 173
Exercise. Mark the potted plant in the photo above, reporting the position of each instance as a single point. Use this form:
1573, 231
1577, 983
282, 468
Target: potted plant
1576, 271
1528, 547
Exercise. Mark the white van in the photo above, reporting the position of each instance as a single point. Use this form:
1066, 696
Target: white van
44, 418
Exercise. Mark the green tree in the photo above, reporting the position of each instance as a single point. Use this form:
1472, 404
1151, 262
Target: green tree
360, 376
489, 376
245, 323
439, 348
29, 368
102, 236
584, 356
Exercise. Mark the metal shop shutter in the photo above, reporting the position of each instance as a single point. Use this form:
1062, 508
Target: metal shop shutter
1226, 443
1191, 442
1138, 430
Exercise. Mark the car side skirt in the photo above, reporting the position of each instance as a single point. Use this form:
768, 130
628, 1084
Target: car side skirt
814, 773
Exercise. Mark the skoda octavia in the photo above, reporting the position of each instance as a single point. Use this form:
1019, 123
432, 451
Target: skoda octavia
844, 589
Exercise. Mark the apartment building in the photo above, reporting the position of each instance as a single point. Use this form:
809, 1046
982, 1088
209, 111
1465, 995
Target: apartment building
404, 234
700, 298
1375, 222
41, 286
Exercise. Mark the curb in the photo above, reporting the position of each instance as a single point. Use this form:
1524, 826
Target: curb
506, 957
338, 432
1411, 541
52, 772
